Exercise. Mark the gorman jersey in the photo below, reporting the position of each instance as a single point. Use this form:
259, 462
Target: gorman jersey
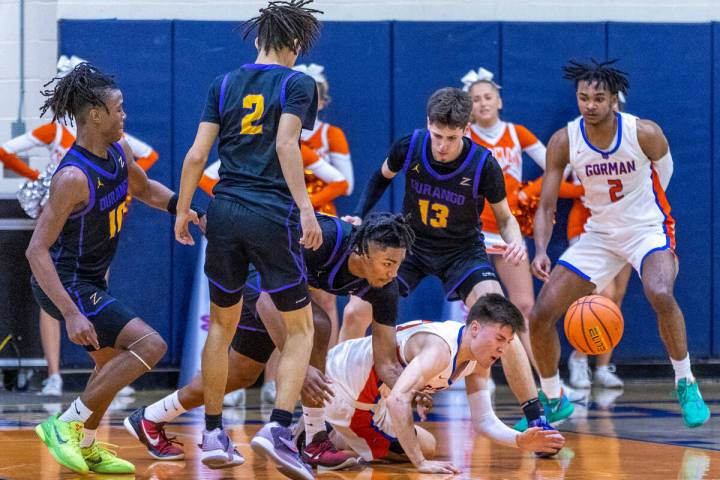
350, 364
86, 246
622, 189
443, 207
247, 104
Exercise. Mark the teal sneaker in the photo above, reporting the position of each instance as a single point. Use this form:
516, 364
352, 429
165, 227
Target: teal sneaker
694, 410
555, 410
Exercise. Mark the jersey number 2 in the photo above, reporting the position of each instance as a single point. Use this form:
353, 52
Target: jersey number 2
439, 220
616, 188
116, 219
257, 104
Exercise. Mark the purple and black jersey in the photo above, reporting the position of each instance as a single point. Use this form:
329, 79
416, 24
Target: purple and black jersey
247, 104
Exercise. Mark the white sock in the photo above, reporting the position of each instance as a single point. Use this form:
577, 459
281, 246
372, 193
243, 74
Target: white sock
314, 422
165, 410
551, 386
88, 438
77, 412
682, 369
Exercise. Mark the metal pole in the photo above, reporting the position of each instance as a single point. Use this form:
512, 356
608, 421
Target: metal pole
18, 127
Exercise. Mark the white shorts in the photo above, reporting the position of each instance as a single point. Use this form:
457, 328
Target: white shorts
599, 257
494, 244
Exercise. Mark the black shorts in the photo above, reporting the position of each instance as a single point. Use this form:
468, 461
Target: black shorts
107, 314
251, 337
237, 237
459, 269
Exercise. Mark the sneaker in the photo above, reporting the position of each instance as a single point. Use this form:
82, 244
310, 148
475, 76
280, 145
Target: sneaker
63, 442
579, 371
235, 399
100, 459
126, 391
322, 454
218, 451
268, 392
694, 410
275, 442
580, 395
153, 436
52, 386
543, 423
556, 410
605, 377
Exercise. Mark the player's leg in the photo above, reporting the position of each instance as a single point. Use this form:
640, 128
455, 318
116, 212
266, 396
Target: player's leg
357, 317
328, 302
605, 372
659, 269
268, 392
50, 340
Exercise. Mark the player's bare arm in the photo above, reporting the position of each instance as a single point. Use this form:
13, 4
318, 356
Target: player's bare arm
430, 355
509, 227
288, 151
557, 158
385, 353
69, 192
192, 170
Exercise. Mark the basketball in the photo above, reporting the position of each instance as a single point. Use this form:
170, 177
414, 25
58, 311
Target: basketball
594, 325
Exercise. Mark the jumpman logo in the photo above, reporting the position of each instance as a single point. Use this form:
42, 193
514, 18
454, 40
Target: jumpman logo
99, 183
416, 168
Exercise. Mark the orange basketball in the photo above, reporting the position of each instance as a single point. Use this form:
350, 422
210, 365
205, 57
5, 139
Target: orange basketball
594, 325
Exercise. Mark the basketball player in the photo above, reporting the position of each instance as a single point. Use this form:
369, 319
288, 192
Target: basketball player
360, 260
624, 164
377, 422
447, 178
70, 251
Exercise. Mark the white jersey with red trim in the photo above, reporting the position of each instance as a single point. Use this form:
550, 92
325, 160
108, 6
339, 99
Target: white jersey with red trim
621, 186
350, 363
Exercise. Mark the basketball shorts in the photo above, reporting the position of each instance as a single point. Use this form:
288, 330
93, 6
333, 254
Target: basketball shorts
251, 338
459, 269
107, 314
598, 256
236, 237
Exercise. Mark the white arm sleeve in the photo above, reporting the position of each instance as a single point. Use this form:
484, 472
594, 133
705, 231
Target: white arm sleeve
664, 168
139, 148
487, 423
23, 143
343, 163
325, 172
537, 151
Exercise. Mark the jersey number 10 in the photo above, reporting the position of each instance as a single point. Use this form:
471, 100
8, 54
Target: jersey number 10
116, 219
255, 103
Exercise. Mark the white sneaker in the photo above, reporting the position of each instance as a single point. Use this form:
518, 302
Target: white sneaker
580, 395
52, 386
579, 371
126, 391
605, 377
235, 399
268, 392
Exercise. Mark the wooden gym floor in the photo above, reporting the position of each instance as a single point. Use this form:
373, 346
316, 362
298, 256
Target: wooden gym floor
632, 434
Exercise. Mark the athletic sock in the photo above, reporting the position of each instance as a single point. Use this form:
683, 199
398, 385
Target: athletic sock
551, 386
213, 421
76, 412
165, 410
88, 437
532, 409
682, 369
282, 417
314, 422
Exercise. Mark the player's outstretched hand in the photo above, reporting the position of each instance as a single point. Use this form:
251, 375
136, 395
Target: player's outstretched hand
515, 253
536, 439
81, 331
432, 466
317, 386
353, 220
311, 233
541, 266
182, 232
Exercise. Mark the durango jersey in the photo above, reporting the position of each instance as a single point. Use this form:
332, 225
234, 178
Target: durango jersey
86, 246
247, 104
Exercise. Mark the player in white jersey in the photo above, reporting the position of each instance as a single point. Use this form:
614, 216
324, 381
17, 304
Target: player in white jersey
624, 164
377, 422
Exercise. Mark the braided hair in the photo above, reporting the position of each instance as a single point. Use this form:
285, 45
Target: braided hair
599, 73
283, 23
384, 229
84, 85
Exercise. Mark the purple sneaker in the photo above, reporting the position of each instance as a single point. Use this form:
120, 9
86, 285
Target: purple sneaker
218, 450
276, 442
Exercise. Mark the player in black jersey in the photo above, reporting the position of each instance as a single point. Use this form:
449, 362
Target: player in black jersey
447, 178
362, 261
69, 254
260, 206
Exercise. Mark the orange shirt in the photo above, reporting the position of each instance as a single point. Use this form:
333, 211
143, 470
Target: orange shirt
327, 142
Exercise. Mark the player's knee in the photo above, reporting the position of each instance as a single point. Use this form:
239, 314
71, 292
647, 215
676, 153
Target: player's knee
156, 348
525, 306
661, 298
427, 441
355, 314
241, 375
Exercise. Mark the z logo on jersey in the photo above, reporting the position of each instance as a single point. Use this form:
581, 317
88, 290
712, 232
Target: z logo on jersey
465, 182
95, 299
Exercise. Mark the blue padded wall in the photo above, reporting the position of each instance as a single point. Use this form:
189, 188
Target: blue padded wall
714, 210
138, 55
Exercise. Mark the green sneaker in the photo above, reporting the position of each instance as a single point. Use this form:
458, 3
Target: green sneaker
101, 459
694, 410
63, 441
555, 410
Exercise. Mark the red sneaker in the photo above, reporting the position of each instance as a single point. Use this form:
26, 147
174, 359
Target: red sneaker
322, 454
153, 435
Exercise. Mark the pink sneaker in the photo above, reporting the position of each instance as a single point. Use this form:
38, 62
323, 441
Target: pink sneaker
322, 454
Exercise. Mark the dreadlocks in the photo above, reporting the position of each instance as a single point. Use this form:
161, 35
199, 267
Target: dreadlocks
283, 23
84, 85
386, 230
599, 73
